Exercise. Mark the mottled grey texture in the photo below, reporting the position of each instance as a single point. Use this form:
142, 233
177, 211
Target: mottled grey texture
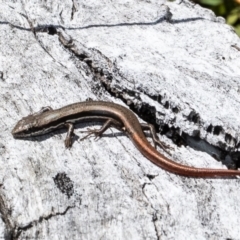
175, 64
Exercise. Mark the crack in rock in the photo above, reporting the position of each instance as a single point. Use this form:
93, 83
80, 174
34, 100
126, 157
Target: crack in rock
6, 218
154, 215
74, 9
19, 229
106, 72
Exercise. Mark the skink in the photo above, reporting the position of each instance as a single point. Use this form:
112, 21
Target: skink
114, 115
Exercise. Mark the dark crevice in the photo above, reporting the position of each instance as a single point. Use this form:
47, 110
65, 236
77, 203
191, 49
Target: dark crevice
1, 75
146, 112
166, 105
52, 30
236, 47
160, 99
29, 22
109, 25
150, 176
175, 109
175, 135
209, 128
82, 57
60, 15
154, 220
104, 77
196, 133
194, 117
228, 158
40, 28
230, 139
18, 230
55, 214
45, 28
74, 9
154, 215
217, 130
157, 98
102, 72
7, 219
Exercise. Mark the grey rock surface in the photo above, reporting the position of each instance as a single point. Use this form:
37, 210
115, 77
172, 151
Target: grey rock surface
174, 64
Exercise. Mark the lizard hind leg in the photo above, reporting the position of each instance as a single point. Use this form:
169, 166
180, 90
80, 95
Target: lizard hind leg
98, 132
156, 141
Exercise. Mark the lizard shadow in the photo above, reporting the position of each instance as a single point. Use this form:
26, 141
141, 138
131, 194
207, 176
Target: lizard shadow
84, 133
75, 137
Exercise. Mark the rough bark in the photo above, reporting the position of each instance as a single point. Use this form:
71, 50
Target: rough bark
175, 64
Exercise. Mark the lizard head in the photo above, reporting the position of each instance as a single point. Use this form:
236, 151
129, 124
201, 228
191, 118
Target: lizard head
26, 127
